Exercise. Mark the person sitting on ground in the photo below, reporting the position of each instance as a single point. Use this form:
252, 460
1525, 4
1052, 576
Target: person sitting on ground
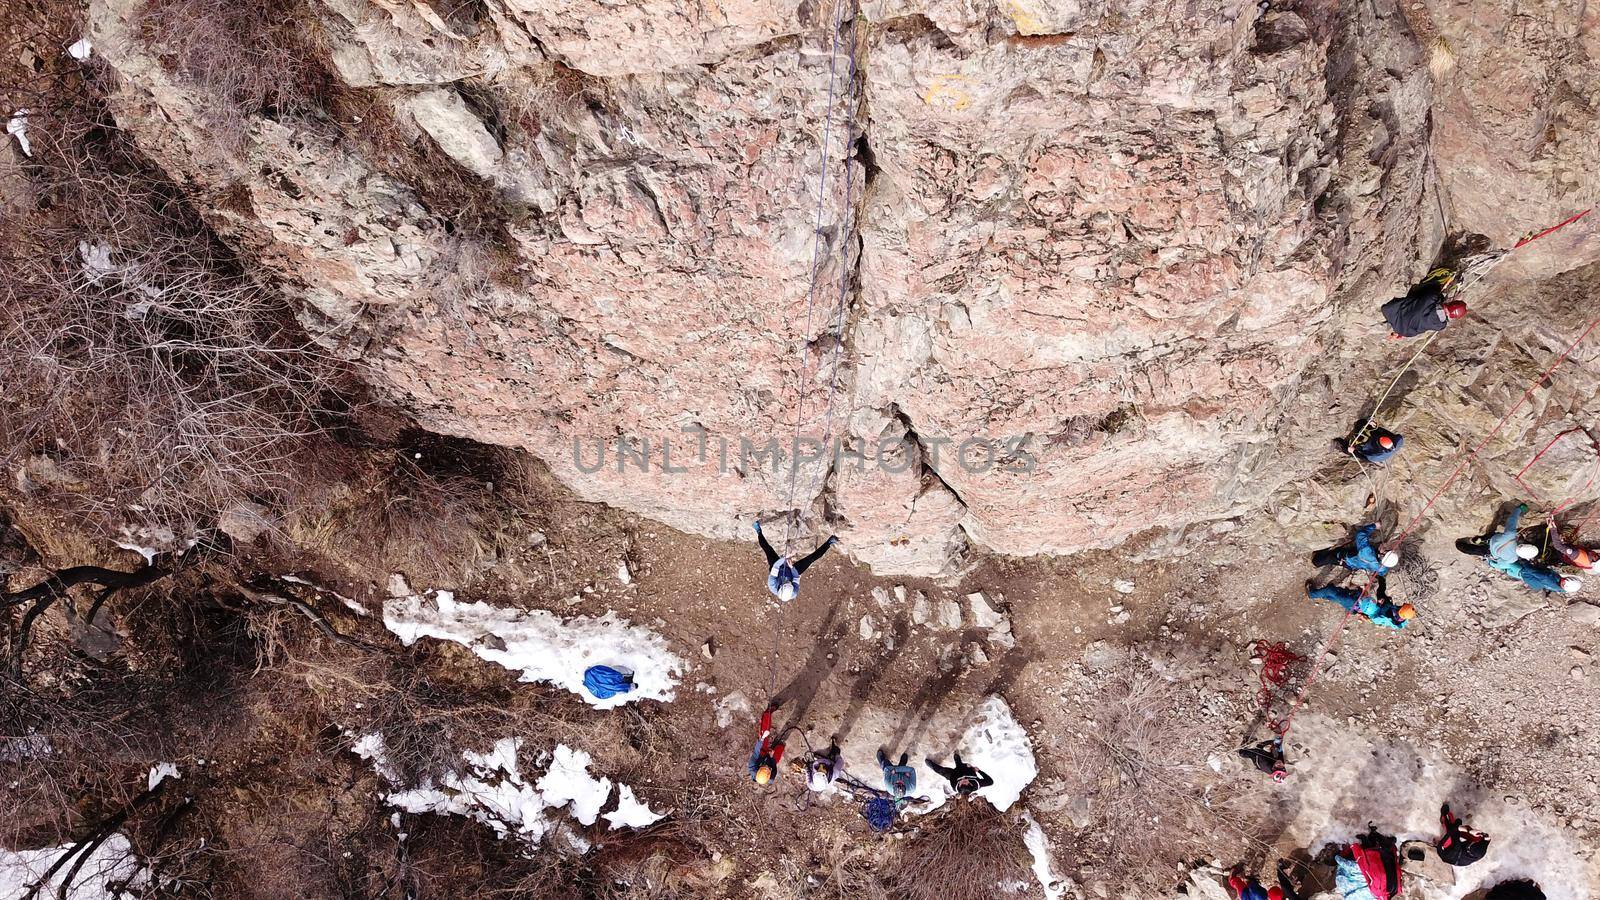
1460, 846
1379, 608
1541, 578
899, 778
1376, 448
1248, 887
1504, 543
823, 767
964, 777
1358, 555
764, 759
1268, 757
783, 577
1423, 308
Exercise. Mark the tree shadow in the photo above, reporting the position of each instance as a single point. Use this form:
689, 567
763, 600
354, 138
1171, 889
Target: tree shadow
869, 677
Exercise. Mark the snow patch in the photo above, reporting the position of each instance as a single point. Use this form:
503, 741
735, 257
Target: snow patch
569, 781
492, 789
161, 772
111, 871
542, 646
80, 49
631, 813
999, 745
17, 127
733, 706
1038, 844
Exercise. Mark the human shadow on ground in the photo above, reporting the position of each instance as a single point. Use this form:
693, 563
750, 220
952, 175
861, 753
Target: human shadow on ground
818, 665
868, 678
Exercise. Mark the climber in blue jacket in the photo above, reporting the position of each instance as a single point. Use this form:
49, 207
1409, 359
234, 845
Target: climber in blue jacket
1359, 555
1380, 609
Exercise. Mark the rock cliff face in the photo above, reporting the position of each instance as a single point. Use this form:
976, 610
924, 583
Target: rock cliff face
1045, 274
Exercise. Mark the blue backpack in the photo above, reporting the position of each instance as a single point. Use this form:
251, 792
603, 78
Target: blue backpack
879, 813
605, 682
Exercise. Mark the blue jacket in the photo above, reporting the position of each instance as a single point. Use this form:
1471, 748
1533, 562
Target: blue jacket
781, 573
1503, 543
1381, 612
1365, 558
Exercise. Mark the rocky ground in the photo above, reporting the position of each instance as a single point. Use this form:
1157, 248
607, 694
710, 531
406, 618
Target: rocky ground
314, 310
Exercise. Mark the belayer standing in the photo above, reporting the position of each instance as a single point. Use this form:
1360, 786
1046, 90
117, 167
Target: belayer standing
964, 777
1424, 307
764, 759
783, 577
823, 767
899, 778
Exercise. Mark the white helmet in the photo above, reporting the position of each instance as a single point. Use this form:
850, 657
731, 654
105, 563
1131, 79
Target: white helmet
1572, 584
788, 591
1527, 551
1391, 559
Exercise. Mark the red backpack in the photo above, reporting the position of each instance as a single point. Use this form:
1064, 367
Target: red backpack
1379, 860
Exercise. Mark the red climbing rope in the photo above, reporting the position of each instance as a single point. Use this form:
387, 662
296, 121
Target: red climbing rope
1566, 500
1557, 227
1311, 676
1473, 453
1275, 661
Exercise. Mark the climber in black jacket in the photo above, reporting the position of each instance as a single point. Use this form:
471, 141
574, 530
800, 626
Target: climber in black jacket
1423, 308
964, 777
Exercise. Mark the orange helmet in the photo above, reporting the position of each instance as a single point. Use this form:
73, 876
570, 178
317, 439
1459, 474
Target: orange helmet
1407, 612
1385, 441
1582, 557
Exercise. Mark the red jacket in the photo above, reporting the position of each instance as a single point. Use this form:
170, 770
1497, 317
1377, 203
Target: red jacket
767, 747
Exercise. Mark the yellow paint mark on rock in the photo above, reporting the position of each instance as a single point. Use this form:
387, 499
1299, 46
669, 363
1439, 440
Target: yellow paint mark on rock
1027, 16
946, 91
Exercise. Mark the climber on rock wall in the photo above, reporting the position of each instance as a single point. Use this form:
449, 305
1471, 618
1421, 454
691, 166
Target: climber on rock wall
1373, 444
783, 577
1380, 609
1359, 555
1424, 307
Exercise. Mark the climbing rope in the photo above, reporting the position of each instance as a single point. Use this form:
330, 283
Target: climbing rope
1473, 453
1311, 676
1275, 661
816, 265
801, 367
1566, 500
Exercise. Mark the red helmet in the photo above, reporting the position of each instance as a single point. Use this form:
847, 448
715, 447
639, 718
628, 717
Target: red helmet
1455, 309
1274, 893
1385, 441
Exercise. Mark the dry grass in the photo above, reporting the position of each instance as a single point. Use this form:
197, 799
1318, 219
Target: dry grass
968, 853
1149, 794
141, 361
1441, 59
247, 59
